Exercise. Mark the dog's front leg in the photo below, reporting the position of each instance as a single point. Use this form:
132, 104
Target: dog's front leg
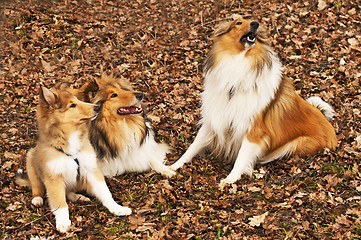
95, 182
247, 157
55, 188
200, 142
97, 186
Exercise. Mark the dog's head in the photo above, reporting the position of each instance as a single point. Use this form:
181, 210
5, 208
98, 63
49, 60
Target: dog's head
116, 96
61, 105
241, 34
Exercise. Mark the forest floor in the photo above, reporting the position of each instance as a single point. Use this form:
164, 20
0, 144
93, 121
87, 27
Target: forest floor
160, 47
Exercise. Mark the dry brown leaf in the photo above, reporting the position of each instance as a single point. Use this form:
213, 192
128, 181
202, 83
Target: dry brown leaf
256, 221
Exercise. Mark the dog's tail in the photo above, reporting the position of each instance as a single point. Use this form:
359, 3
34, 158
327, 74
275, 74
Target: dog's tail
324, 107
21, 178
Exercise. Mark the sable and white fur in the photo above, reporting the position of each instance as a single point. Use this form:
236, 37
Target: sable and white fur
63, 161
250, 111
122, 134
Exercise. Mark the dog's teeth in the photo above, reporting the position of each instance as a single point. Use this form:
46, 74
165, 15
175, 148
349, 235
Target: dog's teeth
250, 39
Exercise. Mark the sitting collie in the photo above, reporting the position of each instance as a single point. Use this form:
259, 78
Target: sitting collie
250, 111
121, 134
63, 160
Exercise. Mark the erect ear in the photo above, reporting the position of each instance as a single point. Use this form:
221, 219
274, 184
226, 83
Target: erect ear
88, 90
62, 85
47, 96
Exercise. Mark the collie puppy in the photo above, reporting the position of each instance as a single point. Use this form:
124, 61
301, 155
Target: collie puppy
63, 160
250, 110
121, 134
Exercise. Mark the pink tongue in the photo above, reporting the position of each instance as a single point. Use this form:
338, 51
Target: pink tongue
129, 110
132, 109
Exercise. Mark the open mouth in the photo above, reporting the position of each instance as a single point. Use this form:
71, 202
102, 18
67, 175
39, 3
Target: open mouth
249, 38
129, 110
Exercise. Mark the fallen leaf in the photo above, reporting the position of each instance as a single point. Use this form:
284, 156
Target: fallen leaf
256, 221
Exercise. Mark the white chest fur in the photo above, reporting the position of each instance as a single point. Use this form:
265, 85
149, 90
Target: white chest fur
135, 157
234, 94
67, 166
74, 144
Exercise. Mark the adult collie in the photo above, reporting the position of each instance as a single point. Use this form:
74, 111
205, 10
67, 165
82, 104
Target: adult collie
121, 134
250, 110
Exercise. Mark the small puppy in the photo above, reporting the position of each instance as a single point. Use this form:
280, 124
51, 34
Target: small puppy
250, 111
121, 134
63, 160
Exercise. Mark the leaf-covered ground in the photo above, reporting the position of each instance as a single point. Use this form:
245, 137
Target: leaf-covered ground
160, 47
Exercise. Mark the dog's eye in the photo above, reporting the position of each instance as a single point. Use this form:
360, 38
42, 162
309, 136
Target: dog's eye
239, 23
73, 105
114, 95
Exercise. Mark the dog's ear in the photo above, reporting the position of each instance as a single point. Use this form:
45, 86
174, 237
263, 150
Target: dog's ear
88, 91
103, 80
47, 96
61, 85
223, 28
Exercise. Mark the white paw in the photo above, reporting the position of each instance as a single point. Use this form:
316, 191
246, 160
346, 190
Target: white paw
63, 225
175, 166
168, 172
120, 210
37, 201
225, 182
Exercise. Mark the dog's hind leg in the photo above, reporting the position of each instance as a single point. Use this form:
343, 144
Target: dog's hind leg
247, 157
37, 186
157, 155
159, 167
200, 142
75, 197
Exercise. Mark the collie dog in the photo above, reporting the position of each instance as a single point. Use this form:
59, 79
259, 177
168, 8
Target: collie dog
121, 134
63, 160
250, 110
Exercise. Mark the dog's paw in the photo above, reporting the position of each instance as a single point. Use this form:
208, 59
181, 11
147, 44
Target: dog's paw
63, 225
175, 166
168, 172
224, 183
120, 210
37, 201
74, 197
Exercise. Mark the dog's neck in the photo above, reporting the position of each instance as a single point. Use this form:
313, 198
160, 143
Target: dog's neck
112, 139
68, 138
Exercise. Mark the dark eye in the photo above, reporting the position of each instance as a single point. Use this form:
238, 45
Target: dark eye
239, 23
114, 95
73, 105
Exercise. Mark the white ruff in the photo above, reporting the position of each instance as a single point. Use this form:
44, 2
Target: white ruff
251, 93
65, 166
137, 158
74, 144
87, 162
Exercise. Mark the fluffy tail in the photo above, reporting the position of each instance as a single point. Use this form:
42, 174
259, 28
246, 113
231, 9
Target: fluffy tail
21, 178
324, 107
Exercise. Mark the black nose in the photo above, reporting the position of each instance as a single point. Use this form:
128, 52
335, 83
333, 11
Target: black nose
254, 25
139, 96
96, 108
